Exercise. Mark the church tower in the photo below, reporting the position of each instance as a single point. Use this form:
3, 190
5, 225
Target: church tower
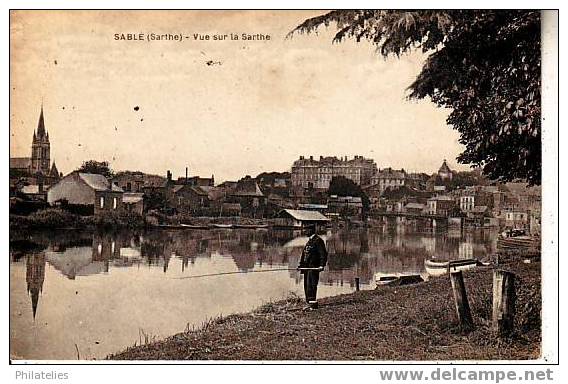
40, 162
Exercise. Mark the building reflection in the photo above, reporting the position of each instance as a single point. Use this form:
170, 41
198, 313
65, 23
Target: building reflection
35, 275
352, 253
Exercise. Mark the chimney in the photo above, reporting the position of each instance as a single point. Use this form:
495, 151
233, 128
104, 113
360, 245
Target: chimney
311, 157
186, 174
321, 158
169, 175
301, 157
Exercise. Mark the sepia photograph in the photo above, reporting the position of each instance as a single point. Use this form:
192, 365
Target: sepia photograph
280, 185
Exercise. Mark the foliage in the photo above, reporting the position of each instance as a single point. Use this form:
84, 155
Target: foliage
53, 218
269, 177
484, 65
56, 218
97, 167
397, 193
155, 200
16, 173
342, 186
119, 220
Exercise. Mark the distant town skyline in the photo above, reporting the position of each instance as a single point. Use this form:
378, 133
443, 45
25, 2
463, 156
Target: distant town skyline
228, 108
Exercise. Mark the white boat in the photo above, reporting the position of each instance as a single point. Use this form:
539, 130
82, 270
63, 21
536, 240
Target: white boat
221, 226
439, 267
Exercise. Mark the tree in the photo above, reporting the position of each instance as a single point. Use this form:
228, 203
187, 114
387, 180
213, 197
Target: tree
342, 186
155, 200
97, 167
483, 65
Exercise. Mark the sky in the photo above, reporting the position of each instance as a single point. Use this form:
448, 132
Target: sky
226, 108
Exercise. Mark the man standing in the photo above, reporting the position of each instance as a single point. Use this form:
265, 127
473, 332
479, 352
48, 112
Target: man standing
314, 257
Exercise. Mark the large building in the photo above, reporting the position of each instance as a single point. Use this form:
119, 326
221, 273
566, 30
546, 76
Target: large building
39, 164
396, 178
317, 174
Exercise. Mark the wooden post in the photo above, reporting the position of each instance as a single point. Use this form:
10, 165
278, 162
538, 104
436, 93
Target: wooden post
460, 299
504, 298
357, 284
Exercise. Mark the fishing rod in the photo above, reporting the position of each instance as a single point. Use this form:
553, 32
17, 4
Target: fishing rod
238, 272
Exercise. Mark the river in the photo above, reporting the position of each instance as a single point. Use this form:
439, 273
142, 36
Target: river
90, 294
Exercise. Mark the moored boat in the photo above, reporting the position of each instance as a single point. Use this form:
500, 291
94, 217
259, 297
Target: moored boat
221, 226
397, 279
384, 280
189, 226
250, 226
439, 267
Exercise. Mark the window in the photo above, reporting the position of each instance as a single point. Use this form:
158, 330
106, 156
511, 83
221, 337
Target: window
114, 202
102, 202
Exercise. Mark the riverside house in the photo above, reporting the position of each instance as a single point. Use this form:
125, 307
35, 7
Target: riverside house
248, 194
298, 218
91, 193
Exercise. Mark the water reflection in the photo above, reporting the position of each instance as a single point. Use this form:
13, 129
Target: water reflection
113, 265
35, 274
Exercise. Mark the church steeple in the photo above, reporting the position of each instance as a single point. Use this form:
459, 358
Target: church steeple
41, 125
40, 159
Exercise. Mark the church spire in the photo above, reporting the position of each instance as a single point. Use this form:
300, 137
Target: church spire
41, 125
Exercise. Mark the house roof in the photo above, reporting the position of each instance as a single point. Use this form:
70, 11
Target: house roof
414, 206
176, 188
389, 173
351, 199
303, 215
441, 198
479, 209
247, 188
195, 189
98, 182
313, 206
132, 197
19, 162
199, 190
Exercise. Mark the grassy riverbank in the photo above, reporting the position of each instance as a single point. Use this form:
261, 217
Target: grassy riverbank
415, 322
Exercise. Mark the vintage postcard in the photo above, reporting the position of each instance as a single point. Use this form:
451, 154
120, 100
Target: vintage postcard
350, 185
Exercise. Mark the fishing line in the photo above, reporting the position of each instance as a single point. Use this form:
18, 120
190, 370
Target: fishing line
238, 272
